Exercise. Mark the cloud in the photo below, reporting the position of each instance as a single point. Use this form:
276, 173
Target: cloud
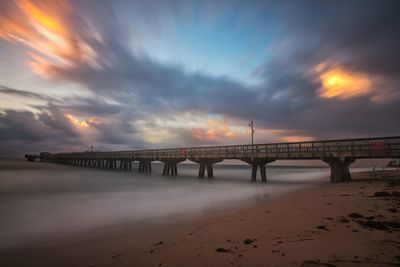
129, 89
21, 93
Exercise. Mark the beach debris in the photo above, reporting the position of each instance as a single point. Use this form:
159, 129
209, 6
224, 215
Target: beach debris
344, 220
248, 241
305, 239
393, 210
222, 250
255, 246
355, 215
329, 218
373, 224
275, 251
116, 255
158, 243
394, 183
393, 224
386, 194
379, 225
382, 194
316, 263
322, 227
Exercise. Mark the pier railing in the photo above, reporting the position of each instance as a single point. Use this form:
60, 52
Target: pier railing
377, 147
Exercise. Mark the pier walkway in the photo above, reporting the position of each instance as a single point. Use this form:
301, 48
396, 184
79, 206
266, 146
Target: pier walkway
339, 154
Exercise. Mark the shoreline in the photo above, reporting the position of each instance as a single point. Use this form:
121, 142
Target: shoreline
307, 227
179, 218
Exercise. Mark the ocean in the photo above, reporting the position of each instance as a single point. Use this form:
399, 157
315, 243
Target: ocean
41, 201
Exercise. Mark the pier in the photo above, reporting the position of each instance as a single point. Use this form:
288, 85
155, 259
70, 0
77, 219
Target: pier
339, 154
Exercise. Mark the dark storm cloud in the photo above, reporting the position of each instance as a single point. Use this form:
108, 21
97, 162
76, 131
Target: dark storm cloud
21, 93
49, 129
81, 105
90, 106
25, 132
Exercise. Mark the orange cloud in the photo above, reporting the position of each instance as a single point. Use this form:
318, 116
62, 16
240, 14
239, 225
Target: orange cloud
44, 27
214, 129
80, 123
295, 138
338, 83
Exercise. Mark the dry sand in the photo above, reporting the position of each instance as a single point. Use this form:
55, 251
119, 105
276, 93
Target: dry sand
314, 227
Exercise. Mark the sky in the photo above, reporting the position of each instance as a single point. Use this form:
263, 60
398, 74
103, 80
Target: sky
153, 74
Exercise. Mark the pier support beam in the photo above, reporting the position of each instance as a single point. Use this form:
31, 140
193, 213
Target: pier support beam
258, 164
206, 163
125, 165
171, 166
339, 168
144, 165
111, 164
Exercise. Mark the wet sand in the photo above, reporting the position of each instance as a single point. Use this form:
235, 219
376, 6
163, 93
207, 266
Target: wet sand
331, 225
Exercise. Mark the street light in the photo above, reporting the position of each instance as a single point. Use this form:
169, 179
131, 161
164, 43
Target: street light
251, 125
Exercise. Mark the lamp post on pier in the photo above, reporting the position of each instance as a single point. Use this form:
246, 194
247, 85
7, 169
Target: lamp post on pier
251, 125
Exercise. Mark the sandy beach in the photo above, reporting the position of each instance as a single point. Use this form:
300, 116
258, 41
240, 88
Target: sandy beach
348, 224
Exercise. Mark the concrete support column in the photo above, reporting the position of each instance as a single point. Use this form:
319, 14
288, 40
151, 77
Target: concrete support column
98, 163
202, 169
144, 165
171, 166
206, 163
111, 164
258, 164
339, 168
125, 165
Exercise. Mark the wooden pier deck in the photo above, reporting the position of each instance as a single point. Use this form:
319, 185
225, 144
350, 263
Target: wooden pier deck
339, 154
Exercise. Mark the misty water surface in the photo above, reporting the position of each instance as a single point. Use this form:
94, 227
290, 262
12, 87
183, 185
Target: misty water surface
39, 201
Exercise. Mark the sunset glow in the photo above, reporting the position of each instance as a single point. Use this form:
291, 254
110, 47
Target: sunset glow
76, 122
342, 84
43, 27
